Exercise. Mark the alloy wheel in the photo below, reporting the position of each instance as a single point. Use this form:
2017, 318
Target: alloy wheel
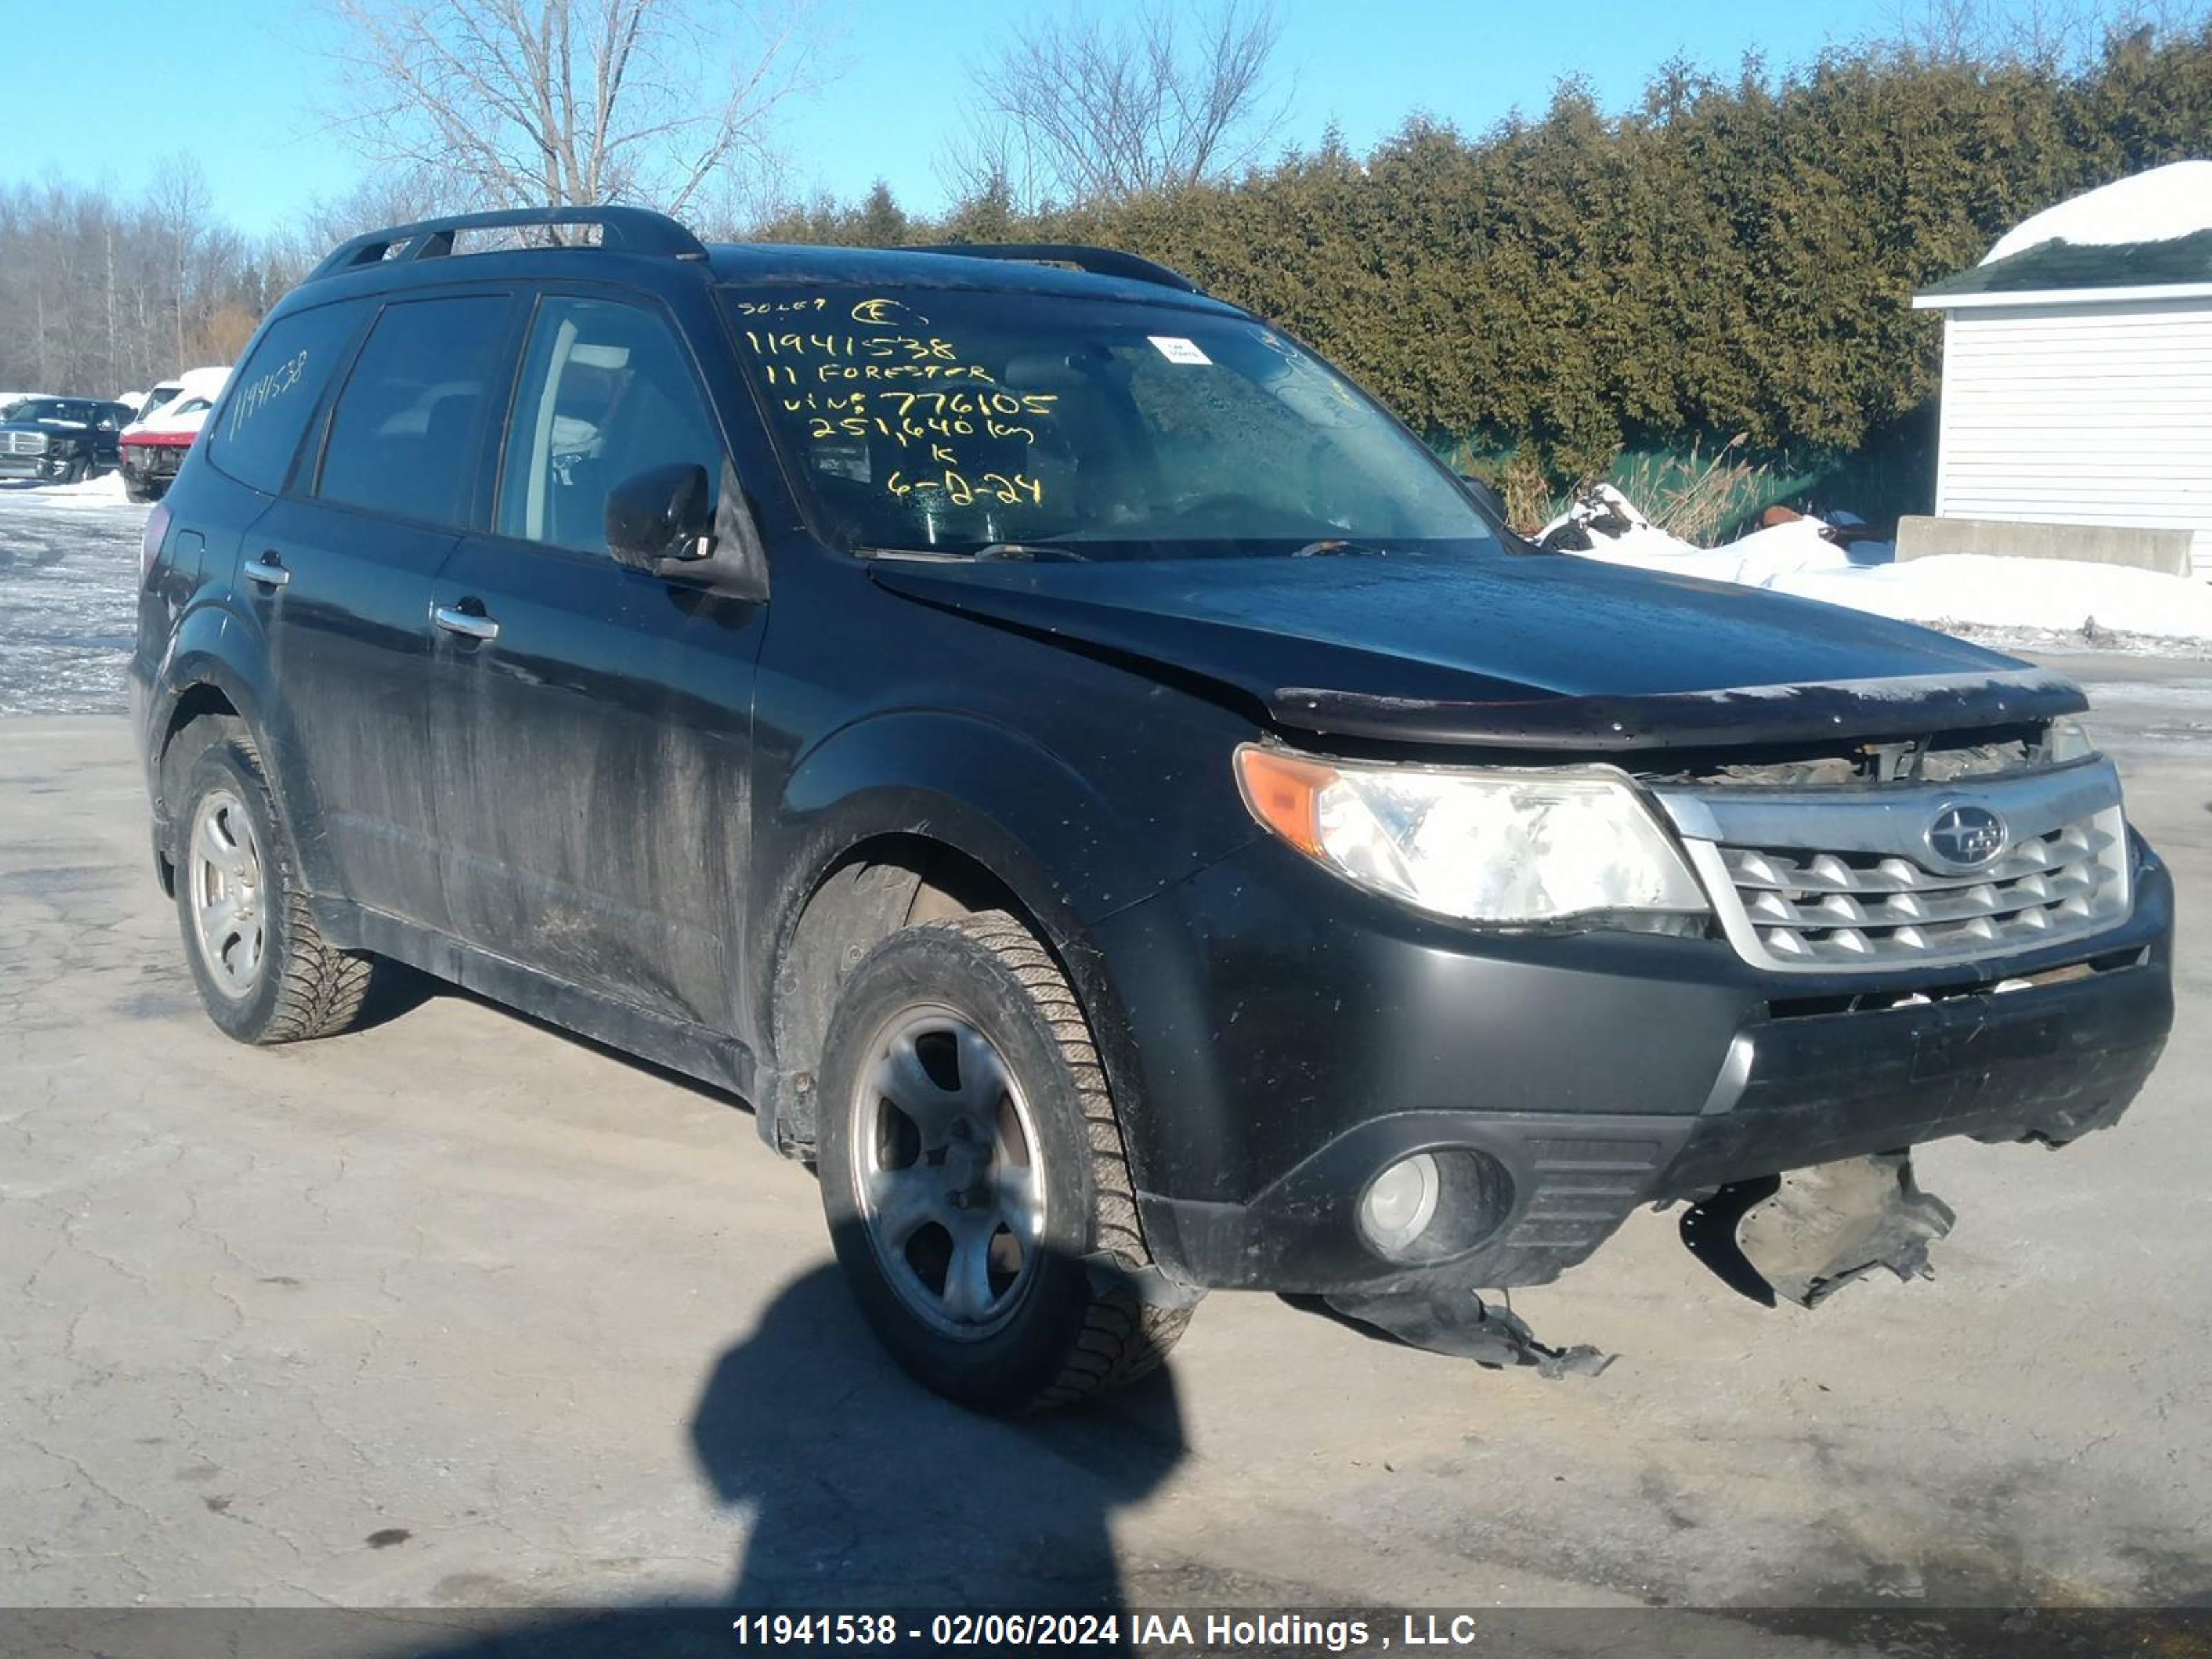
945, 1164
229, 917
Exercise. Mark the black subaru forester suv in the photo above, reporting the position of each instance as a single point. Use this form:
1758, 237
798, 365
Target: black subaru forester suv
1100, 789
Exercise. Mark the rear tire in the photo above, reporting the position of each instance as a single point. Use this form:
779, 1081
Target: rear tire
1003, 1141
264, 974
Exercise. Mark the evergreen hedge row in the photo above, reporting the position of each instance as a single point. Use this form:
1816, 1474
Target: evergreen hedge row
1733, 256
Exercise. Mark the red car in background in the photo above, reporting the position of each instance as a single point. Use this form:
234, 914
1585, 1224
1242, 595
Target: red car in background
154, 445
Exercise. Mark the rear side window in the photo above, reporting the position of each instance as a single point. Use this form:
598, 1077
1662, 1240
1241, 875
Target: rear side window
404, 432
273, 395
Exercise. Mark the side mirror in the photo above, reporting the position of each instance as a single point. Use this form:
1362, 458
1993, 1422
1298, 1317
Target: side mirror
662, 513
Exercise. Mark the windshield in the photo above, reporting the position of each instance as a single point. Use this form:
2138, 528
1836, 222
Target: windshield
47, 412
951, 421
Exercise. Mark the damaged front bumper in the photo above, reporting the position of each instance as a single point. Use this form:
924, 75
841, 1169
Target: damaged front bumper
2048, 1056
1803, 1236
1799, 1236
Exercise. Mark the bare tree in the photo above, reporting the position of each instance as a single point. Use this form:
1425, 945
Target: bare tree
393, 196
1084, 107
517, 103
106, 294
181, 208
2048, 34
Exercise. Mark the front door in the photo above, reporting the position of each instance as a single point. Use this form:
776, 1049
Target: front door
592, 722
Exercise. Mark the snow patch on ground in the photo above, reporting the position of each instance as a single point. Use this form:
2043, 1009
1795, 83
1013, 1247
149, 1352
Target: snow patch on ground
1962, 592
103, 490
2156, 206
68, 597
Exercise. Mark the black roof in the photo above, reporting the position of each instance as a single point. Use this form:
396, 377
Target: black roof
2054, 265
892, 267
420, 252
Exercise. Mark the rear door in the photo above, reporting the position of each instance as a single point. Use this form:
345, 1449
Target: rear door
592, 722
340, 571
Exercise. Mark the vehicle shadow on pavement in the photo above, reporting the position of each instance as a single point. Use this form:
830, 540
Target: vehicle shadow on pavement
863, 1490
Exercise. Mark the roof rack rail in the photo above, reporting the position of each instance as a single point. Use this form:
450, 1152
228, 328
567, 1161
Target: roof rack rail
1099, 261
634, 230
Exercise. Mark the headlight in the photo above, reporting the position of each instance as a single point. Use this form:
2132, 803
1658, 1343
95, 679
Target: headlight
1486, 844
2067, 739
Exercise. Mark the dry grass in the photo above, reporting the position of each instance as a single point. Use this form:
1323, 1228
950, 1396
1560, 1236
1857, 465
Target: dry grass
1689, 498
1528, 493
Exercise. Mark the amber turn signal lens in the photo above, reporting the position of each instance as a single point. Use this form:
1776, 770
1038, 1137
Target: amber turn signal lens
1284, 792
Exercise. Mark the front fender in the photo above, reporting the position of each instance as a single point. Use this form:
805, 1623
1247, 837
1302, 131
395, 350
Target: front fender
1045, 828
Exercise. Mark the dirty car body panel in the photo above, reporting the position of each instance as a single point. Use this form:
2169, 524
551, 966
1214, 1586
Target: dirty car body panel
669, 813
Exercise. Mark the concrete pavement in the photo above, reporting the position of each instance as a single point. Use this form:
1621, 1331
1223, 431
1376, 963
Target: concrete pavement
458, 1311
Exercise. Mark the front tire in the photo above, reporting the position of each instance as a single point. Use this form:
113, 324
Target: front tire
264, 974
973, 1175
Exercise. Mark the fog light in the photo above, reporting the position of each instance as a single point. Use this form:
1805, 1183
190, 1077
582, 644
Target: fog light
1399, 1204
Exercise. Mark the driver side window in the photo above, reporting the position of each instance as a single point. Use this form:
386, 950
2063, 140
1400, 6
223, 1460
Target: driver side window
606, 391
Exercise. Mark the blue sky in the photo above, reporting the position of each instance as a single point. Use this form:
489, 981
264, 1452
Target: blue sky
236, 82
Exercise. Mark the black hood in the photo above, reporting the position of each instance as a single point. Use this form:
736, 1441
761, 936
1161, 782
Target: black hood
1539, 651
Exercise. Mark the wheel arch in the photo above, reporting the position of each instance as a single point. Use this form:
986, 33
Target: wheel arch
871, 884
917, 817
202, 691
216, 670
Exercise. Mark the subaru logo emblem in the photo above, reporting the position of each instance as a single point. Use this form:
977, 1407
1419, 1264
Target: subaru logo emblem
1966, 836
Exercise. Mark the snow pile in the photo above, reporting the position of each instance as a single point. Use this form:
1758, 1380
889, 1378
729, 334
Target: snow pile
1619, 534
1954, 591
2042, 595
2157, 206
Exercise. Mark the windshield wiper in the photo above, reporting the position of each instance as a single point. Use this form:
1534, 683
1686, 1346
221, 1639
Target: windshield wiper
1049, 552
1030, 550
1330, 546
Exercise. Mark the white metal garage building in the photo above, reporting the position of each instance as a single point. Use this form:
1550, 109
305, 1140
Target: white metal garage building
2077, 372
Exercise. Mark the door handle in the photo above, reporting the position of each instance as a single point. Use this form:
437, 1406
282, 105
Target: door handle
469, 624
268, 570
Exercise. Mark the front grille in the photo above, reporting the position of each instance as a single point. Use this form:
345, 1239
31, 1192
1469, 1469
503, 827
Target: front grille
1842, 879
24, 443
1853, 909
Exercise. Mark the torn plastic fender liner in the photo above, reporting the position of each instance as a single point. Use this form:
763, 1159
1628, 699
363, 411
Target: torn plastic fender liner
1444, 1317
1804, 1234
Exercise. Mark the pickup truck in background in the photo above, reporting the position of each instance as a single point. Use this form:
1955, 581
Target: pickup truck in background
60, 439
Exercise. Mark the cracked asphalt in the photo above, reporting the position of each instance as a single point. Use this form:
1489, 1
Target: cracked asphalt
458, 1313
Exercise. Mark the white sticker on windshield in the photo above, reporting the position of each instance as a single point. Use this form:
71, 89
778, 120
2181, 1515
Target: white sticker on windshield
1176, 349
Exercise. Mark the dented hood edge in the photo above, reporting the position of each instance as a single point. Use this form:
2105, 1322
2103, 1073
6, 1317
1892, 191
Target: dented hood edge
1471, 708
1901, 707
